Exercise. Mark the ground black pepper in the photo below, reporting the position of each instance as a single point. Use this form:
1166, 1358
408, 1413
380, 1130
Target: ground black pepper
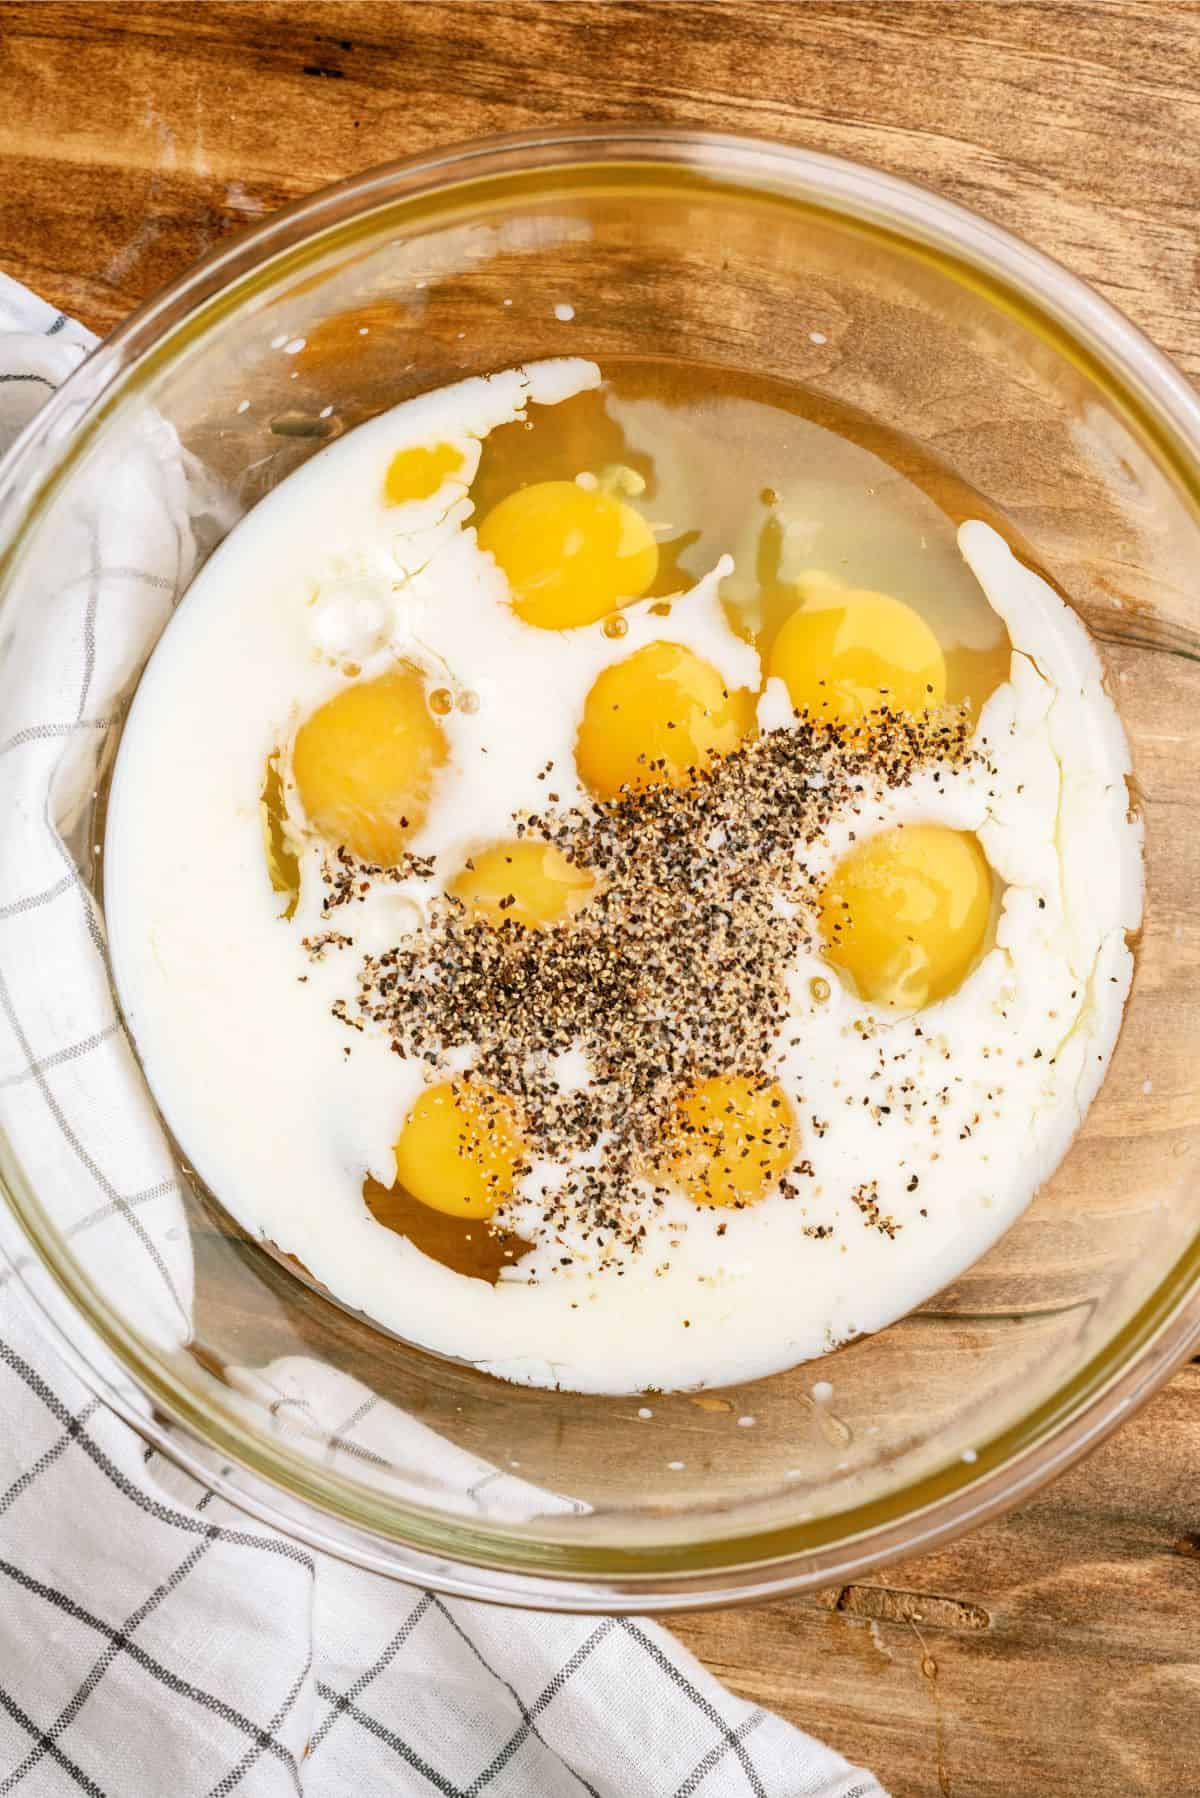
675, 970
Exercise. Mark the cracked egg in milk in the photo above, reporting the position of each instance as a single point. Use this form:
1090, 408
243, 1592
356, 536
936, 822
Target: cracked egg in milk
602, 873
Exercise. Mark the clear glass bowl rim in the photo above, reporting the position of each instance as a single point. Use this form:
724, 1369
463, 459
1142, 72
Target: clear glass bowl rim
436, 1552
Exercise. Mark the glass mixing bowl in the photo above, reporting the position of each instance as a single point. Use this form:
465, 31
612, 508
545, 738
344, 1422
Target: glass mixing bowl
746, 254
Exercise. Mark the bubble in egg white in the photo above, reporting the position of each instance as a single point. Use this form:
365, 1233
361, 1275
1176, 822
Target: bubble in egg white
387, 920
350, 623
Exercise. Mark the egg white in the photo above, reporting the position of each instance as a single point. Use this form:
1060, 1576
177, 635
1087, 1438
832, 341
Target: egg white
233, 1023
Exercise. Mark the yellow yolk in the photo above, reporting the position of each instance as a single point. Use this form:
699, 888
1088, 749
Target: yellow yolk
847, 652
905, 913
364, 763
657, 717
570, 554
732, 1136
460, 1150
418, 473
523, 882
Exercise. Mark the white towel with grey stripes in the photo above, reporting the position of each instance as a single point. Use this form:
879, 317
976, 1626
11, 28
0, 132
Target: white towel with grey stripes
153, 1642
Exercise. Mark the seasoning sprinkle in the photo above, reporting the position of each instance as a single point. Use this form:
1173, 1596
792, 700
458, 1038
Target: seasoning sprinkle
674, 972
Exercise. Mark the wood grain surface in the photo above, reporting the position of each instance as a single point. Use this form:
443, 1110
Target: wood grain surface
1056, 1652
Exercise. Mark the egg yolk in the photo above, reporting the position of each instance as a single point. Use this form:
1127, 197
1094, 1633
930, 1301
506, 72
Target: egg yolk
905, 913
570, 554
460, 1150
524, 882
731, 1136
847, 652
418, 473
656, 718
364, 764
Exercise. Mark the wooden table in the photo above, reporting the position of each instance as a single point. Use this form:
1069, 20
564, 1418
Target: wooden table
1057, 1652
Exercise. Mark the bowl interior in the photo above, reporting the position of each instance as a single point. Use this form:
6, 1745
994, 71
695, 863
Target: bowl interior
742, 258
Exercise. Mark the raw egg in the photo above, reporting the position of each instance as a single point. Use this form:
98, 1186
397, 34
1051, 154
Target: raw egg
460, 1150
570, 554
523, 882
847, 652
905, 913
657, 718
731, 1136
417, 473
364, 764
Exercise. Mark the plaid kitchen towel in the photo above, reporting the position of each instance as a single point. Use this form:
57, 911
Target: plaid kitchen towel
153, 1642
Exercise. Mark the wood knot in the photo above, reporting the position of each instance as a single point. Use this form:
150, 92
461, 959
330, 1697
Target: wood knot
887, 1605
